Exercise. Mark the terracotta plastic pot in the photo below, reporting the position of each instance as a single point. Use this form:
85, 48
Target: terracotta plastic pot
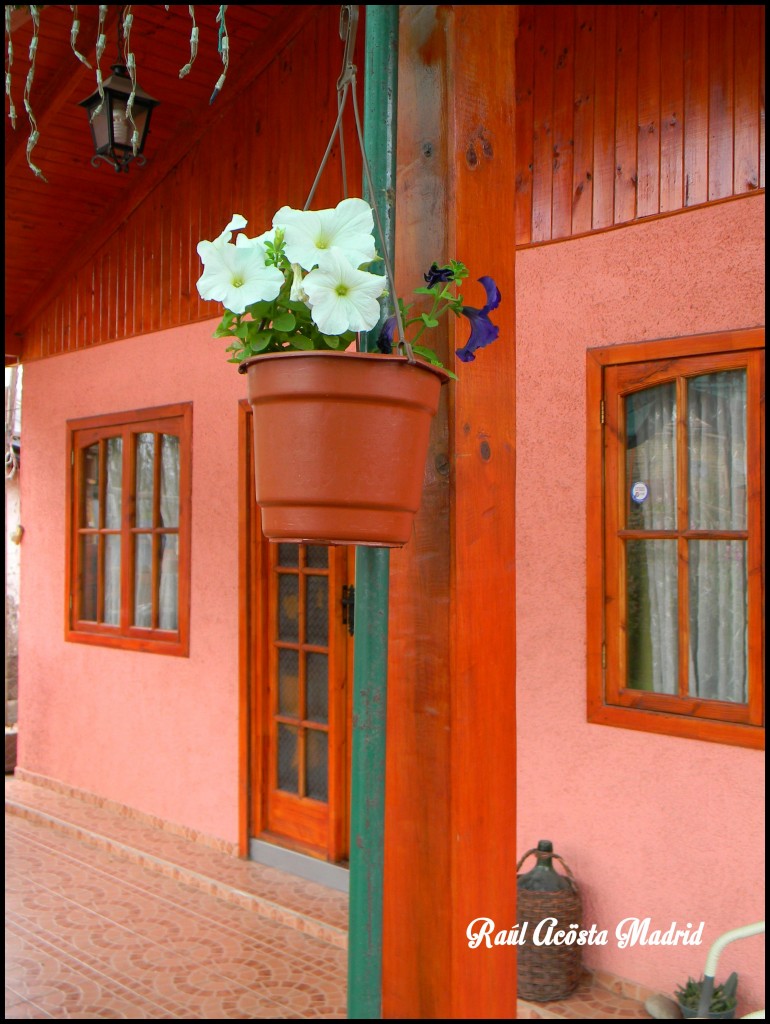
340, 440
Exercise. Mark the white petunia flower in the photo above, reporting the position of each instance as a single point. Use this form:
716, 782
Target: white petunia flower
298, 293
341, 297
236, 275
310, 233
238, 221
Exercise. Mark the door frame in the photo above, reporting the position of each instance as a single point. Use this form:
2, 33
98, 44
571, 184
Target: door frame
255, 585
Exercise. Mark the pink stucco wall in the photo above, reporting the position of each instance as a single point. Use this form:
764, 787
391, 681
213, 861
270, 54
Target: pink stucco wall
651, 826
154, 732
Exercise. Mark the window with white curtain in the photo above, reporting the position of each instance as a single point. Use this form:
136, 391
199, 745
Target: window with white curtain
675, 531
129, 507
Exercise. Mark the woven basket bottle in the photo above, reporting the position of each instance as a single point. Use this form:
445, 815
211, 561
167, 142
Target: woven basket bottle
549, 971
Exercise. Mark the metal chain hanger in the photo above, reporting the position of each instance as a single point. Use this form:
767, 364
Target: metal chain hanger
346, 84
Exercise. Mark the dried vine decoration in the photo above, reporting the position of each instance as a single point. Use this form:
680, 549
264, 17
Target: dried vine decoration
34, 134
101, 42
130, 61
193, 44
8, 65
224, 49
74, 36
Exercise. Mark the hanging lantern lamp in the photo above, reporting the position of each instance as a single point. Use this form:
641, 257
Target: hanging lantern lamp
111, 128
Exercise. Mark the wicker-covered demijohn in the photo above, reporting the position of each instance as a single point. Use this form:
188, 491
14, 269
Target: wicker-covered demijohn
549, 970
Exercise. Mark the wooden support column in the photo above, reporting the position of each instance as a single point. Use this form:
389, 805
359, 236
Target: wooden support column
450, 847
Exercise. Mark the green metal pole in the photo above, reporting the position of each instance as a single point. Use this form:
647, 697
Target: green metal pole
370, 662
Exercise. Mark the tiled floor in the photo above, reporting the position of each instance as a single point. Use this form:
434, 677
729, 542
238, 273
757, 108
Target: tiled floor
91, 934
109, 916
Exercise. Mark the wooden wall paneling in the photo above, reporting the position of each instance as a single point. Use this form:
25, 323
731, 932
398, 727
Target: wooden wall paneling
563, 122
78, 290
133, 296
109, 291
762, 97
121, 284
165, 204
626, 114
525, 57
748, 44
68, 326
73, 314
86, 302
604, 117
195, 234
720, 110
671, 107
542, 184
153, 254
140, 273
174, 297
696, 100
56, 319
189, 239
583, 128
649, 112
96, 310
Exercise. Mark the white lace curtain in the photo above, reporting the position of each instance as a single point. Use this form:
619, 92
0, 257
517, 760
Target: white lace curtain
716, 500
168, 587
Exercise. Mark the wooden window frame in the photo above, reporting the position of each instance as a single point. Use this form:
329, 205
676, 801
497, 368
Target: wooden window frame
81, 433
609, 703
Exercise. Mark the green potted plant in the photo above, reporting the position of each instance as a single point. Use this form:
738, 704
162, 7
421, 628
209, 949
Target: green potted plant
721, 1001
340, 436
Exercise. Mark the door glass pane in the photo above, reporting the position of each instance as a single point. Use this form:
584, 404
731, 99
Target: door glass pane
145, 457
718, 620
317, 771
317, 613
288, 683
651, 608
90, 513
112, 579
716, 449
114, 489
651, 458
317, 686
143, 582
168, 584
288, 608
317, 557
89, 568
169, 480
288, 555
288, 758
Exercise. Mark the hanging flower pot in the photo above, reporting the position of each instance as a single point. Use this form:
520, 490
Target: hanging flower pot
340, 436
340, 440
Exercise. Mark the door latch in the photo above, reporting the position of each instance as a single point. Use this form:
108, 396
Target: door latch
349, 608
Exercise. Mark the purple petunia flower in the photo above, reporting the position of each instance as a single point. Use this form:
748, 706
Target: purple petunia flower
438, 274
385, 340
483, 331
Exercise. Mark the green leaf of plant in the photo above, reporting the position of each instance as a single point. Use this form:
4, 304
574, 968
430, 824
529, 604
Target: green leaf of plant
429, 321
284, 322
225, 325
260, 341
301, 342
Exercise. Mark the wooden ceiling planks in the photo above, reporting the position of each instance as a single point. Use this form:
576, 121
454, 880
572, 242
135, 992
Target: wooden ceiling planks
53, 228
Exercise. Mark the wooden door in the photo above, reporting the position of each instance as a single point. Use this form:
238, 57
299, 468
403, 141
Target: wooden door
298, 651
